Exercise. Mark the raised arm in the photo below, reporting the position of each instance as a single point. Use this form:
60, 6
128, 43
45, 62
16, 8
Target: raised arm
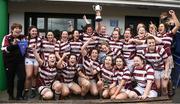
36, 55
137, 41
57, 55
98, 27
57, 51
152, 28
59, 63
83, 48
176, 21
158, 40
86, 20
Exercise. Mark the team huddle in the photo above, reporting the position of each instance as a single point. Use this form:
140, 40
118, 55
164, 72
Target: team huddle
110, 66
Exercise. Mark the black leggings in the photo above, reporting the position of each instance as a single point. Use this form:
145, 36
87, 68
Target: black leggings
12, 70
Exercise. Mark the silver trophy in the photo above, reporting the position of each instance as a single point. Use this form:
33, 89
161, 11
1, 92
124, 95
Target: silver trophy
98, 10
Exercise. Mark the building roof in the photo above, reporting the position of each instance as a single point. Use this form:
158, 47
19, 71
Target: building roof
150, 3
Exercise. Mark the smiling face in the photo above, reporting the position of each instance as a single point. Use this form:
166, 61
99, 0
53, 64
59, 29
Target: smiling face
33, 32
151, 44
76, 35
152, 28
103, 30
16, 31
104, 48
108, 61
117, 29
119, 63
127, 35
72, 60
140, 25
141, 33
52, 60
161, 28
89, 30
94, 54
64, 36
50, 36
138, 62
115, 35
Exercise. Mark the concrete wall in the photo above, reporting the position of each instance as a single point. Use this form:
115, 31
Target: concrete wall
118, 12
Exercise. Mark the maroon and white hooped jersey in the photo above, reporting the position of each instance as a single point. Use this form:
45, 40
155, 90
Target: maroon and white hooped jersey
90, 65
115, 53
115, 45
62, 47
156, 58
123, 73
92, 43
68, 72
47, 74
129, 50
103, 38
76, 47
47, 48
140, 48
107, 74
167, 39
31, 43
141, 75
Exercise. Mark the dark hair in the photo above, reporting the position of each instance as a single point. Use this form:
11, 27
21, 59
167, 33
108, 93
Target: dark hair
153, 26
111, 58
90, 51
116, 30
16, 25
74, 31
165, 25
72, 35
118, 33
29, 36
71, 54
130, 30
164, 18
60, 35
87, 26
144, 61
166, 15
124, 62
51, 54
47, 33
149, 37
30, 28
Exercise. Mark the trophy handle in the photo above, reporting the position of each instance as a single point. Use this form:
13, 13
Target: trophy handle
100, 7
93, 7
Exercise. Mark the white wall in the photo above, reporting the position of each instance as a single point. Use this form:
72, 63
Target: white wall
16, 17
17, 9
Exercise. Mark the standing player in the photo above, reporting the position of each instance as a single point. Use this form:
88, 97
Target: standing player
31, 63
